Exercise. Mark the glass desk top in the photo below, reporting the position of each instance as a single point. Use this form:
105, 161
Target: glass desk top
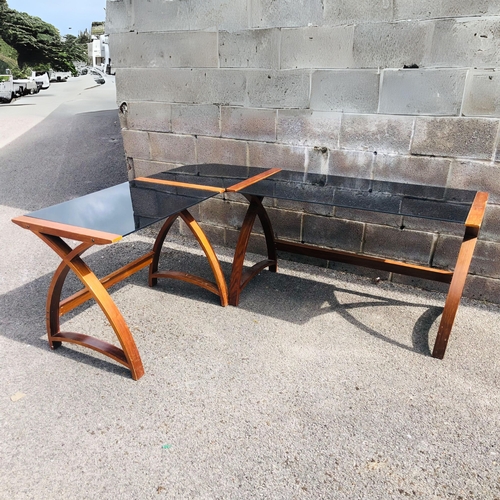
131, 206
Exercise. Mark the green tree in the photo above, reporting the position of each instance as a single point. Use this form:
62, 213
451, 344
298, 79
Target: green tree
38, 43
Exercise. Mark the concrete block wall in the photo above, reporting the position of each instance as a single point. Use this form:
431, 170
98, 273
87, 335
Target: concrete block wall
385, 89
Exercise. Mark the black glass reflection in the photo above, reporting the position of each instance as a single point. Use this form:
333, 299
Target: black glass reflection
413, 200
124, 208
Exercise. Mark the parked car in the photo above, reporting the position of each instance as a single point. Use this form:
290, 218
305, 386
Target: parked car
25, 86
7, 88
41, 77
59, 76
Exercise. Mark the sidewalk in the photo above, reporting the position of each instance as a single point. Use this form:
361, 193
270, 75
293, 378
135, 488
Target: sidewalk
319, 385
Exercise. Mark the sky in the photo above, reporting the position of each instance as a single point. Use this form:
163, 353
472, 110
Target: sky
68, 16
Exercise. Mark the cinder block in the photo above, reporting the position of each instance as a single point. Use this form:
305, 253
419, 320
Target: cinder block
412, 169
491, 224
286, 225
172, 148
309, 128
229, 15
144, 168
446, 252
481, 288
223, 213
392, 45
431, 9
455, 137
465, 43
384, 134
368, 216
422, 92
250, 49
193, 49
249, 123
256, 245
118, 18
482, 94
144, 115
433, 226
285, 13
261, 154
398, 244
333, 233
360, 11
317, 47
486, 259
197, 86
303, 206
482, 176
278, 89
226, 151
158, 15
136, 144
350, 91
215, 234
202, 119
351, 163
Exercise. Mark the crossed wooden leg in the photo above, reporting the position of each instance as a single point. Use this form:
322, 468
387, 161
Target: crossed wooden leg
128, 355
219, 287
240, 278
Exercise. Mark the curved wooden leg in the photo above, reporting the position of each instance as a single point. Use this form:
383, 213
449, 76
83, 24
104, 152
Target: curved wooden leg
218, 288
128, 355
160, 239
454, 294
240, 278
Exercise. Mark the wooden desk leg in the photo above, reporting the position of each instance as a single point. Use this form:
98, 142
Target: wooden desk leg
240, 278
219, 287
455, 293
128, 355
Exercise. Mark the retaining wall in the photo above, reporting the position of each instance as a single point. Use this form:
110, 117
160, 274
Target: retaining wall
389, 89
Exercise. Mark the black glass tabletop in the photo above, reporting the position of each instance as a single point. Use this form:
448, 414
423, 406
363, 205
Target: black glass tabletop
413, 200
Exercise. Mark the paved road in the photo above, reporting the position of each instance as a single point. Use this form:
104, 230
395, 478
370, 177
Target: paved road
319, 386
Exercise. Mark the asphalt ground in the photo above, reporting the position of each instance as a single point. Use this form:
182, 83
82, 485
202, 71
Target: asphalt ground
319, 386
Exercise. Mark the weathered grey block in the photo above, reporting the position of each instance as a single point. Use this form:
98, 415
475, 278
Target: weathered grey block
350, 91
368, 217
257, 243
465, 43
197, 86
317, 47
446, 252
202, 119
491, 223
158, 15
262, 154
144, 115
456, 137
143, 168
118, 17
286, 224
360, 11
384, 134
486, 259
257, 48
172, 148
278, 89
433, 226
422, 92
482, 94
398, 244
412, 169
215, 234
223, 213
136, 144
392, 45
226, 151
333, 233
429, 9
196, 49
229, 15
310, 128
285, 13
249, 123
481, 288
482, 176
351, 163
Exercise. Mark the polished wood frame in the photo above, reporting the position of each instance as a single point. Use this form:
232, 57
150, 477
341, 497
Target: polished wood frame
218, 288
456, 279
